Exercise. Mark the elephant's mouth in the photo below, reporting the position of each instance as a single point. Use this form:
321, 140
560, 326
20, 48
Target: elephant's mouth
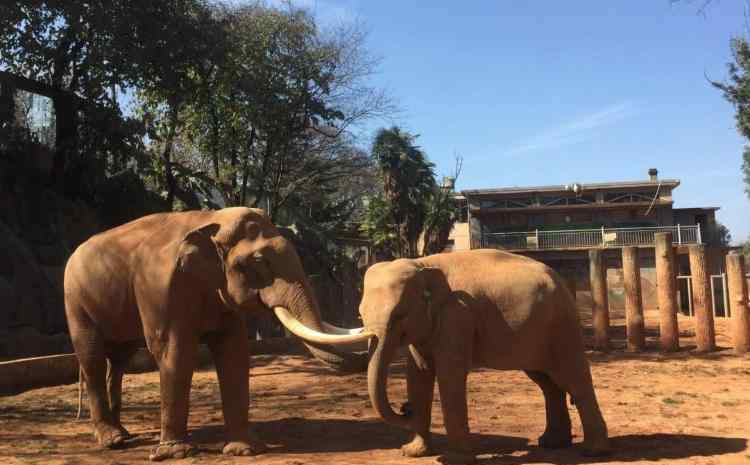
253, 303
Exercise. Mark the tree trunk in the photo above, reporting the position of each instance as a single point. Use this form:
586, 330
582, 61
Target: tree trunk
66, 106
737, 284
705, 336
66, 137
166, 156
667, 292
631, 269
600, 304
246, 167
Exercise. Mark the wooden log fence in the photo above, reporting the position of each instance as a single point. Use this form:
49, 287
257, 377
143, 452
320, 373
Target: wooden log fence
666, 292
705, 336
634, 322
600, 304
738, 301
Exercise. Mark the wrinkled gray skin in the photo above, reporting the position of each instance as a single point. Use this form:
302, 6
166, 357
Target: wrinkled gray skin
175, 279
481, 308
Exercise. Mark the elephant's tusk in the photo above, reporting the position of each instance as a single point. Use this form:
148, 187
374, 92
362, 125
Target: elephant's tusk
331, 329
311, 335
418, 359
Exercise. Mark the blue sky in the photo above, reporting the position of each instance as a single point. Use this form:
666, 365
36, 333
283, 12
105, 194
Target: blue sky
543, 92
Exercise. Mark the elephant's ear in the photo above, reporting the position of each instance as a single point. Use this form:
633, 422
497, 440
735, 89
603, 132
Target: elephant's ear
434, 288
200, 256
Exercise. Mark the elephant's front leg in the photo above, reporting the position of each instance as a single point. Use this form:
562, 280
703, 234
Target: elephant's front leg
176, 361
231, 356
452, 370
420, 383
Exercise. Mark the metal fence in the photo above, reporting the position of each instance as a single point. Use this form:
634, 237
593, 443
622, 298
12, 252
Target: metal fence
589, 238
719, 295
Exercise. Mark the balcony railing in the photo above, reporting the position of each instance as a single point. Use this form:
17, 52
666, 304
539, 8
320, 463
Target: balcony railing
589, 238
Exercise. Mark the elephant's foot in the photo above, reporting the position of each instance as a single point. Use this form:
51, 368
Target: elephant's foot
596, 448
556, 439
252, 447
172, 450
109, 436
125, 433
418, 447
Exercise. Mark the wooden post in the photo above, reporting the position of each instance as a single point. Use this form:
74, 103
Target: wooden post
600, 305
738, 302
634, 323
571, 281
667, 292
705, 336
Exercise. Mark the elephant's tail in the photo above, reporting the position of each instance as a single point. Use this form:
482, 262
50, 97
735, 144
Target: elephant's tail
80, 392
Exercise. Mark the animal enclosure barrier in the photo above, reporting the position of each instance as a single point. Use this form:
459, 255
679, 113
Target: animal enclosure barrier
588, 238
737, 290
719, 295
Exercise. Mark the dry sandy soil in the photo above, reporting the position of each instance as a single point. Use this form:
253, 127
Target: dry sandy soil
683, 408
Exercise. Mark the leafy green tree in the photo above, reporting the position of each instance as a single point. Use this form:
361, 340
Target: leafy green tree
442, 213
83, 55
272, 123
723, 236
408, 184
737, 91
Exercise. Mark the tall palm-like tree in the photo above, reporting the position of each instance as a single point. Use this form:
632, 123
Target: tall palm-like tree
408, 183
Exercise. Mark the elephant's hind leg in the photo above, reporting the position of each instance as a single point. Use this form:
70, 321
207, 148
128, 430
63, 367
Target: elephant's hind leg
118, 359
91, 350
574, 375
557, 434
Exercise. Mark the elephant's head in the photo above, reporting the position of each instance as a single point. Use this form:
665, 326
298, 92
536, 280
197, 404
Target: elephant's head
241, 255
398, 308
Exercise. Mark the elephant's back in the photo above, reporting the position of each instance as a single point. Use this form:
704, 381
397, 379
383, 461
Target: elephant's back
479, 271
99, 275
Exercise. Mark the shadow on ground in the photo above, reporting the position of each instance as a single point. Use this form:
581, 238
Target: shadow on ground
293, 435
628, 448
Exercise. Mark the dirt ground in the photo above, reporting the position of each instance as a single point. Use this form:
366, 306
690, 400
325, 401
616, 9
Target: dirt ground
682, 408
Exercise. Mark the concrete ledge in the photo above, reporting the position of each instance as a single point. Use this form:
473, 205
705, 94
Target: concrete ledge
17, 376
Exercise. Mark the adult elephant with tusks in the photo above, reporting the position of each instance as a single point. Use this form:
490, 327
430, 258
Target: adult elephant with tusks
178, 278
482, 308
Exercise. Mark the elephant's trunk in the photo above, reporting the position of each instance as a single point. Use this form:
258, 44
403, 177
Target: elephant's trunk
297, 296
377, 380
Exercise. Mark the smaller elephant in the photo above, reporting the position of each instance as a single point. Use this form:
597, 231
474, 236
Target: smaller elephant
483, 308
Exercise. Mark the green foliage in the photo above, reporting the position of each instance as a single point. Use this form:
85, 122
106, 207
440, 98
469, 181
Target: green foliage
234, 105
408, 183
723, 236
442, 213
379, 228
737, 91
411, 204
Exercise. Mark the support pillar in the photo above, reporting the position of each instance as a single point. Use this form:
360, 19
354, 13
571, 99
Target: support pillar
600, 304
634, 322
705, 336
571, 281
667, 292
737, 284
